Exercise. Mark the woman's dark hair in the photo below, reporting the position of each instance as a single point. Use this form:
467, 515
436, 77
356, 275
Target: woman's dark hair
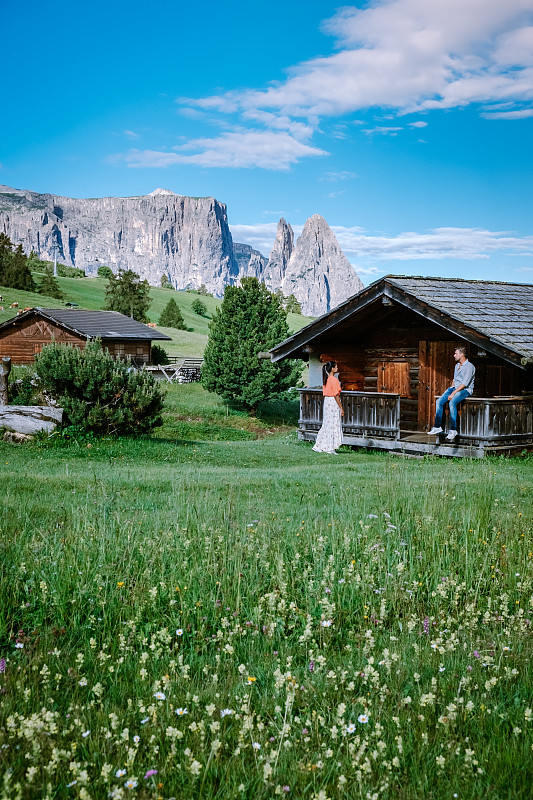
326, 371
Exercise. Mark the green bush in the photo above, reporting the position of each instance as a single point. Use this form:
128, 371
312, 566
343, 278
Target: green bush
104, 272
158, 355
65, 271
199, 308
98, 393
23, 390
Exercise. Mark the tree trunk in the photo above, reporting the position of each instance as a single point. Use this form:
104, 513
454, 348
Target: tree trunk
5, 369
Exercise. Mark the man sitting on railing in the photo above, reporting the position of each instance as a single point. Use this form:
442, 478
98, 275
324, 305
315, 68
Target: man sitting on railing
463, 386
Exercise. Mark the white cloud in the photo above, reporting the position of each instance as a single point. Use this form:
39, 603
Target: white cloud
383, 129
131, 134
438, 244
418, 124
407, 55
362, 247
333, 177
267, 149
524, 113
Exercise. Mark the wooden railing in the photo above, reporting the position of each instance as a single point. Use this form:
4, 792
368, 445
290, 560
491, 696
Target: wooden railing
497, 420
366, 414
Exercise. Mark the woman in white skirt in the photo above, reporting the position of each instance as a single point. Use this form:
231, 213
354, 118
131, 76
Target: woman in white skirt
329, 437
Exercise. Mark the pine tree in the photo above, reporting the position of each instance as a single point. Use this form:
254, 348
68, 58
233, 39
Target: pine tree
14, 270
292, 305
49, 285
6, 256
128, 294
172, 317
249, 321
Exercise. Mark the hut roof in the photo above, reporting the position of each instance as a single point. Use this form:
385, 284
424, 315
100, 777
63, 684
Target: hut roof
91, 324
492, 314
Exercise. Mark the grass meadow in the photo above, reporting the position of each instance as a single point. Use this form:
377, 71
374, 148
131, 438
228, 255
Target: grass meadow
218, 612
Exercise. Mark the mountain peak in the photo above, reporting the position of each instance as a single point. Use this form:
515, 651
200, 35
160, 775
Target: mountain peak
158, 192
318, 274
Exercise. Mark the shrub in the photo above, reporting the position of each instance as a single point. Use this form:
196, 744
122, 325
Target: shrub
171, 316
22, 389
98, 393
159, 355
104, 272
65, 271
199, 308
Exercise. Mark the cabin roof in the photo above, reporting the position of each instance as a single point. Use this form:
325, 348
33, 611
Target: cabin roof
491, 314
91, 324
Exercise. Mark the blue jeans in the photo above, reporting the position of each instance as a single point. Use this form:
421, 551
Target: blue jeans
454, 404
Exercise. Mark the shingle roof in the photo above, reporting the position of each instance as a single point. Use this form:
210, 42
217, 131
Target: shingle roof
94, 324
503, 311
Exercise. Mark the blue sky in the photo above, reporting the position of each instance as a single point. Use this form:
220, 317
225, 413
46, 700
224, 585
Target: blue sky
407, 124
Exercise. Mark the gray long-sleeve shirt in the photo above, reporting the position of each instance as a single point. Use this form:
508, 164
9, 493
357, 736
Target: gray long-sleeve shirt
464, 373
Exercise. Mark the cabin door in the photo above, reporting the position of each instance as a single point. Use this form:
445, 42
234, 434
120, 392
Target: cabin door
437, 365
393, 376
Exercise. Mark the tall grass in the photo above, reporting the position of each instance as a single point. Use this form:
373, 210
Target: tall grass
353, 627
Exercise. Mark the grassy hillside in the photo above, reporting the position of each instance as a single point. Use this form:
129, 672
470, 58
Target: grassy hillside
89, 293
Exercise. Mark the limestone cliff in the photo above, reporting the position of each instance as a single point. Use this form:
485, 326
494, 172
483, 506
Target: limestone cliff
185, 238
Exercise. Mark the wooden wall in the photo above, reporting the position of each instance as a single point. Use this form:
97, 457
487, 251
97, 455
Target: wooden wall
138, 351
23, 342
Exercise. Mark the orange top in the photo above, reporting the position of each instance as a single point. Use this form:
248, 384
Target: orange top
332, 387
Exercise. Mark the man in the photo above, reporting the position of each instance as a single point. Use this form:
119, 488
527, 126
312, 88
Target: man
463, 386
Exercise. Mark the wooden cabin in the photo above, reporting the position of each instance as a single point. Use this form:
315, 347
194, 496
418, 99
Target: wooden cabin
25, 335
394, 345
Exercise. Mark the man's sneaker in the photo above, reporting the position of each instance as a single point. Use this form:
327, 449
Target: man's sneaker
434, 431
451, 436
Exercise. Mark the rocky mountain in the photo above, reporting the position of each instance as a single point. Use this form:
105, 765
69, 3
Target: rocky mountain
186, 238
280, 255
318, 273
251, 263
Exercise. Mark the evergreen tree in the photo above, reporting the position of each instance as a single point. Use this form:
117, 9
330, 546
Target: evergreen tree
34, 262
165, 282
49, 285
249, 321
292, 305
128, 294
172, 317
14, 270
6, 256
104, 271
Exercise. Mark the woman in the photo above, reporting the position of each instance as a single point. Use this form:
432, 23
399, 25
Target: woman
329, 436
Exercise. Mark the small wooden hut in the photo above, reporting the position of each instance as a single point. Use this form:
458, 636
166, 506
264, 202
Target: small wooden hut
394, 345
25, 335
